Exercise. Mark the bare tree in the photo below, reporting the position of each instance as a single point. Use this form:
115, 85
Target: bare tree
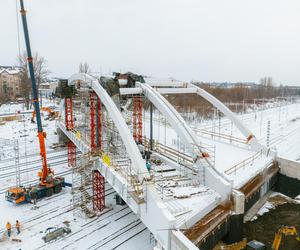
41, 72
267, 82
267, 87
84, 68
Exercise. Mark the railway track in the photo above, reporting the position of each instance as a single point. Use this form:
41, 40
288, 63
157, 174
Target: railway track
26, 170
34, 181
54, 211
31, 162
33, 155
94, 222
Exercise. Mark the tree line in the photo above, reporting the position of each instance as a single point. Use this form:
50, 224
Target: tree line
238, 94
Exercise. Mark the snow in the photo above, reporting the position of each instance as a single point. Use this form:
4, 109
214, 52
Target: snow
266, 208
188, 191
118, 227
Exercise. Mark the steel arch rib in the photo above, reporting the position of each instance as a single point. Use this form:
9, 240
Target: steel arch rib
177, 122
115, 114
228, 113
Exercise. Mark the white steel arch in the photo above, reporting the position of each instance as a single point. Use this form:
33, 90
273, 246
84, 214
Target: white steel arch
228, 113
189, 88
191, 140
131, 147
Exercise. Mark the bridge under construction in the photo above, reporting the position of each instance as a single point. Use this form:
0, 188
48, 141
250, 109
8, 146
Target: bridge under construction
179, 180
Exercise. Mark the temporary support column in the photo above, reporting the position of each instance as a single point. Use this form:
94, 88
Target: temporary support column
71, 154
69, 126
98, 191
134, 119
137, 119
96, 138
99, 123
69, 113
93, 103
140, 119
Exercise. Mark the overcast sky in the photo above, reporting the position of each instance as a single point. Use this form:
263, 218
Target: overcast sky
211, 40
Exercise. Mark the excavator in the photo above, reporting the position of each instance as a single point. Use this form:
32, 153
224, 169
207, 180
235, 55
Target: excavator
48, 184
287, 231
51, 113
282, 231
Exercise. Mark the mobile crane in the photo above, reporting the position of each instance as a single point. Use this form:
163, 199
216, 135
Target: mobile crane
48, 184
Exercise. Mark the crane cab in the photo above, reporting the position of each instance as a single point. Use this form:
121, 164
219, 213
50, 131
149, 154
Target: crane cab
16, 195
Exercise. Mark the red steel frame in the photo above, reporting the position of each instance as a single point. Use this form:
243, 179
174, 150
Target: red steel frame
96, 138
99, 123
134, 119
98, 191
71, 154
93, 99
137, 119
69, 113
140, 121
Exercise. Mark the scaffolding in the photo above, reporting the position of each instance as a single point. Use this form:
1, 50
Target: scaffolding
69, 113
98, 191
96, 142
99, 124
93, 107
82, 187
137, 119
71, 154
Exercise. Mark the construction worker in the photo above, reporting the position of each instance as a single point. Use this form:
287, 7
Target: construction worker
8, 228
18, 226
148, 165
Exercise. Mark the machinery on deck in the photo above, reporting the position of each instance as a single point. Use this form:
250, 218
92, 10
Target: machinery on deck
48, 184
51, 113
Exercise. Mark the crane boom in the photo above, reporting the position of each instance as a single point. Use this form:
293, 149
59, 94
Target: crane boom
41, 135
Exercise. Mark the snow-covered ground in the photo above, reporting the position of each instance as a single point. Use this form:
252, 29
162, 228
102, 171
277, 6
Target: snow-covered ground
118, 227
284, 135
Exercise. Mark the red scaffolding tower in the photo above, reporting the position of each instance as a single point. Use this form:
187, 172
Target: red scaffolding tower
99, 123
93, 101
96, 138
98, 191
137, 119
71, 154
69, 113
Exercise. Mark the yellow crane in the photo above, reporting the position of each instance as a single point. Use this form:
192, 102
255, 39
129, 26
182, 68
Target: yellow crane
284, 230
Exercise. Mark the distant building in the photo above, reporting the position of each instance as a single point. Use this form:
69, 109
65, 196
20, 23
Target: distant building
48, 88
10, 82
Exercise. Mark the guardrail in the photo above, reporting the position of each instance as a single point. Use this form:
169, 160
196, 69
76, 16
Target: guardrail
226, 137
172, 153
243, 163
